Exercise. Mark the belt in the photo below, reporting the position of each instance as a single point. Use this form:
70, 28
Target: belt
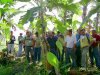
28, 46
69, 48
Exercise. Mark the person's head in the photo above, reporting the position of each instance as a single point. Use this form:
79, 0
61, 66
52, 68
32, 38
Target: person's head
70, 32
11, 33
21, 34
79, 30
36, 34
50, 34
58, 32
83, 31
61, 36
28, 33
93, 32
53, 33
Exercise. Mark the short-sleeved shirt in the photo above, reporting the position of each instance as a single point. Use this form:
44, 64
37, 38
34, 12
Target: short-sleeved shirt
84, 41
12, 39
28, 41
70, 40
97, 37
52, 41
20, 39
37, 41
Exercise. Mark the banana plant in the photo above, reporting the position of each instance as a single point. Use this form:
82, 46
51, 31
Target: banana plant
91, 12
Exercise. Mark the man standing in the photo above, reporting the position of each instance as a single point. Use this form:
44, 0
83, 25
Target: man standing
78, 49
51, 39
29, 44
95, 49
37, 48
20, 40
11, 43
70, 42
84, 42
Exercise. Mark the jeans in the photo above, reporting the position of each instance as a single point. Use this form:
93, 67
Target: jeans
20, 50
37, 53
55, 52
95, 54
29, 49
78, 56
10, 48
70, 53
84, 54
91, 56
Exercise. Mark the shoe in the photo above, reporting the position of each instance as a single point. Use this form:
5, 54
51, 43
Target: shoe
82, 69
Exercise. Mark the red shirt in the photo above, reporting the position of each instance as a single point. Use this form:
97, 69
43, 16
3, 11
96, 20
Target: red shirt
97, 37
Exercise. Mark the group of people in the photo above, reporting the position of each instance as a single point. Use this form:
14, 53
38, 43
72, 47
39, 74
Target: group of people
76, 47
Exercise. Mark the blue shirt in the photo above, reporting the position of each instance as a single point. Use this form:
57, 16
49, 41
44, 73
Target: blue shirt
77, 38
52, 41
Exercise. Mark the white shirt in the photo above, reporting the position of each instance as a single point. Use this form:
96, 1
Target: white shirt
70, 40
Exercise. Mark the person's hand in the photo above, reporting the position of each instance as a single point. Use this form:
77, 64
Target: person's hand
65, 49
31, 47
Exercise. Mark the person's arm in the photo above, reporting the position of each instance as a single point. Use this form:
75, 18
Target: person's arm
33, 42
13, 38
65, 43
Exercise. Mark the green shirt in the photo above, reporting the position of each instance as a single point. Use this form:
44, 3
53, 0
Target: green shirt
28, 41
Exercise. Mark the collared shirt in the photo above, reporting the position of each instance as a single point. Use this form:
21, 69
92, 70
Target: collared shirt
97, 38
28, 41
52, 41
12, 39
20, 39
70, 40
37, 41
84, 41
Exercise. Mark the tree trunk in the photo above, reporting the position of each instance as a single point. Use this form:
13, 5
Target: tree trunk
64, 20
97, 21
84, 12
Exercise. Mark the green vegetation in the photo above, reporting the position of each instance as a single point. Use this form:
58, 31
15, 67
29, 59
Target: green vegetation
68, 14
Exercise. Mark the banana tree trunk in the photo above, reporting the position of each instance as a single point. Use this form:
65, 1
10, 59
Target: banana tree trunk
97, 21
84, 12
64, 20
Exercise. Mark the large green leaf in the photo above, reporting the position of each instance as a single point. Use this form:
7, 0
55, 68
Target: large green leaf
52, 59
15, 13
59, 46
93, 11
85, 2
6, 1
30, 15
60, 26
23, 0
75, 8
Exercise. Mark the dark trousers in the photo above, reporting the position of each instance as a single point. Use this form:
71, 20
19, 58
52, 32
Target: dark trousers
70, 53
29, 49
78, 56
37, 53
55, 52
91, 56
94, 53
